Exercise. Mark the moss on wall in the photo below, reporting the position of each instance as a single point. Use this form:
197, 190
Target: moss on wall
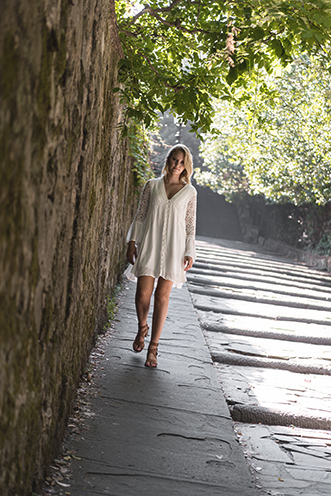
10, 58
67, 197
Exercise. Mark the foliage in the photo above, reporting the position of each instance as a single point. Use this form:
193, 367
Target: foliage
179, 54
140, 146
316, 223
278, 143
169, 132
112, 305
165, 136
324, 245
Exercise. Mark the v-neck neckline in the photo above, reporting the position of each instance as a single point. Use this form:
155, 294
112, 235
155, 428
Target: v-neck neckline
165, 191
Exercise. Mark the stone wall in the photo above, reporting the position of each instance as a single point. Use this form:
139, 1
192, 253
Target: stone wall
66, 197
289, 231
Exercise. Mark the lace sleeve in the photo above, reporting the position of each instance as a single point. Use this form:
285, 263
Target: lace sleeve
190, 221
135, 228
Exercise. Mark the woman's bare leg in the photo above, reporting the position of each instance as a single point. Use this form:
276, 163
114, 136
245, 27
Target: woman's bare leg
161, 305
144, 292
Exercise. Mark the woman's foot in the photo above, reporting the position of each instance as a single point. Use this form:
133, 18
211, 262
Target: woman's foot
139, 342
151, 360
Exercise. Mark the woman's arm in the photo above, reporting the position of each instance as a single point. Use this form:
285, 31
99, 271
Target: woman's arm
134, 232
190, 221
132, 252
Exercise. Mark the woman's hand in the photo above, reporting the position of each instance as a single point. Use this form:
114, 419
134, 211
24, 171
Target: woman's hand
188, 262
132, 252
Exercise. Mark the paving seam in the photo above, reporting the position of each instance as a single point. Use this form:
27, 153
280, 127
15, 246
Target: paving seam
153, 475
215, 309
248, 414
200, 281
170, 408
317, 340
248, 268
215, 293
232, 358
286, 268
249, 276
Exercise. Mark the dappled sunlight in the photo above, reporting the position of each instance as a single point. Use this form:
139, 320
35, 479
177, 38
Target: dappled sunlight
280, 389
267, 322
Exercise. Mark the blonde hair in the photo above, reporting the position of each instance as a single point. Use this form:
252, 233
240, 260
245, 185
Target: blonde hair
185, 176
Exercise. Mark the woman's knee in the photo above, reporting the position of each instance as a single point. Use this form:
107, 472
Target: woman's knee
144, 289
143, 295
161, 296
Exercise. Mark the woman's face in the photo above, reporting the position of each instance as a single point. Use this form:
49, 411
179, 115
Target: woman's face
176, 163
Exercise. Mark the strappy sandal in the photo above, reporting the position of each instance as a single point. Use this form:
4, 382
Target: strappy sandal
151, 360
139, 343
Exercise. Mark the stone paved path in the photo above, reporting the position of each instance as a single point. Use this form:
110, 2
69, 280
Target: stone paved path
166, 431
267, 322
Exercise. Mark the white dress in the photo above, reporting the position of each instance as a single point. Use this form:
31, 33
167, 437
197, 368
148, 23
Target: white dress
164, 231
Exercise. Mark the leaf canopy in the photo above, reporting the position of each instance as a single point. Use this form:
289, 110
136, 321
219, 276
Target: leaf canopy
278, 143
178, 54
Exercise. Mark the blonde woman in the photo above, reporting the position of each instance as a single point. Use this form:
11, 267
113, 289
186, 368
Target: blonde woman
161, 243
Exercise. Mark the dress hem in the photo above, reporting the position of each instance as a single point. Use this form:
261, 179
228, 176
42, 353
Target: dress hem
132, 277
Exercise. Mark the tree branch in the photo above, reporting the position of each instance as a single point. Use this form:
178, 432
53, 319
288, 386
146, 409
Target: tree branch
128, 33
177, 23
149, 9
230, 44
176, 87
199, 10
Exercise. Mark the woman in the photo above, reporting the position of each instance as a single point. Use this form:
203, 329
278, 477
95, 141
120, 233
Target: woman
162, 243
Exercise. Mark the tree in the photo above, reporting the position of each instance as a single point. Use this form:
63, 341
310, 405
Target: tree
178, 55
278, 143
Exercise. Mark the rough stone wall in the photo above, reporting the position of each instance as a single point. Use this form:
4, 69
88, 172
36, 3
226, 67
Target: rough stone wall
303, 227
301, 232
67, 196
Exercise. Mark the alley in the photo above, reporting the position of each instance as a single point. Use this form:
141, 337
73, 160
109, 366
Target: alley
267, 322
141, 431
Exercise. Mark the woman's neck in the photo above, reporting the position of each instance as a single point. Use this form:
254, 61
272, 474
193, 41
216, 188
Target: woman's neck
170, 179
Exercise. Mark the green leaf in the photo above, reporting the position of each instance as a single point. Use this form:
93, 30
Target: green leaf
257, 33
277, 47
232, 75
